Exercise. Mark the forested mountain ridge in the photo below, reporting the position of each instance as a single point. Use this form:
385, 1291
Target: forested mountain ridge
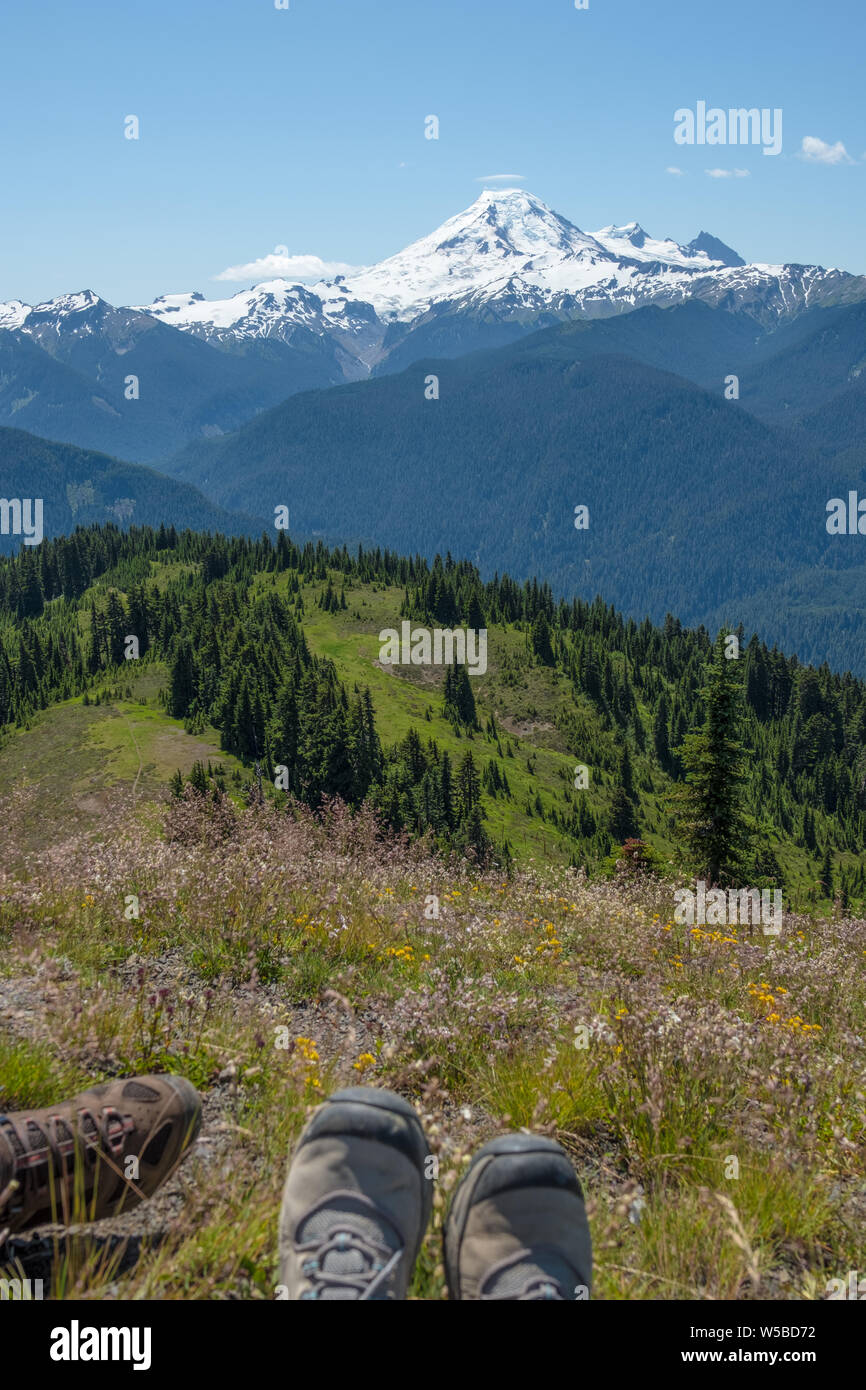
701, 503
705, 454
118, 380
279, 648
80, 487
694, 505
142, 382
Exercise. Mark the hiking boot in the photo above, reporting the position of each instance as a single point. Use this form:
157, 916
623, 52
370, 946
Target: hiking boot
517, 1227
356, 1202
72, 1162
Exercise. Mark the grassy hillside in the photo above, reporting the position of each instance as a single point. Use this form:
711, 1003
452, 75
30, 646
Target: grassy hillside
407, 697
129, 741
235, 636
66, 767
531, 713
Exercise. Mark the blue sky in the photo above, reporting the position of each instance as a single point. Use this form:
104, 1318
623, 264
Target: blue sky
305, 128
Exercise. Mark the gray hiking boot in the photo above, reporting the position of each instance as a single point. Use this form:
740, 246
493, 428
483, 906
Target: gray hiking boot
517, 1227
356, 1202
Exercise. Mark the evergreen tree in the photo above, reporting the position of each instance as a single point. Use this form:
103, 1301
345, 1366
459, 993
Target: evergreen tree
459, 699
661, 736
540, 640
182, 679
711, 821
809, 839
626, 772
623, 816
828, 883
476, 837
468, 787
32, 600
198, 778
446, 791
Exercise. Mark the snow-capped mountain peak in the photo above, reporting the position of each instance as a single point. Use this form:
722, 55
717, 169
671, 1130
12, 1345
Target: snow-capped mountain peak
13, 313
508, 256
65, 304
630, 240
505, 233
253, 311
513, 221
715, 249
632, 232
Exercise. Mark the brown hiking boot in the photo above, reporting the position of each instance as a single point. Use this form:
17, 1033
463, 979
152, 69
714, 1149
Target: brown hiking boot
357, 1200
96, 1155
517, 1227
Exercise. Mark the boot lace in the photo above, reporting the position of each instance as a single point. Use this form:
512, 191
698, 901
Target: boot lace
40, 1148
348, 1249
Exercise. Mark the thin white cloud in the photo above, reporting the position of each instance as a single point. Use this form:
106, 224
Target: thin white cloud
816, 151
727, 173
501, 178
279, 265
672, 169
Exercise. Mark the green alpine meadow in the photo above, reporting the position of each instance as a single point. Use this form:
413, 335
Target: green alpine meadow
245, 849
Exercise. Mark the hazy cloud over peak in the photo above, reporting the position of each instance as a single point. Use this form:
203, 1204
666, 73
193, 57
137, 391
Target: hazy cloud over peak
280, 265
